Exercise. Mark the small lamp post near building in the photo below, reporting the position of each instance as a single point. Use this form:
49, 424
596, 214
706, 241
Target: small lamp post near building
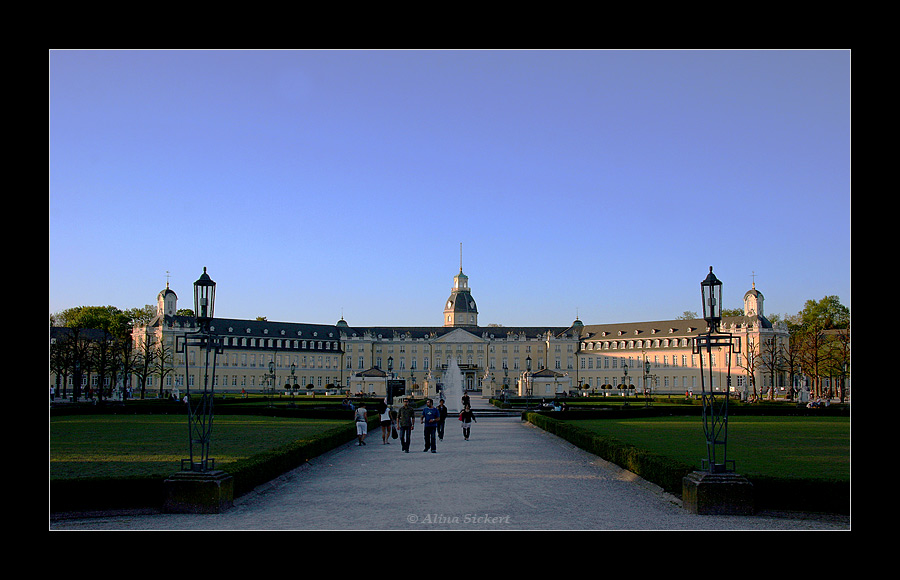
715, 489
292, 385
647, 387
199, 487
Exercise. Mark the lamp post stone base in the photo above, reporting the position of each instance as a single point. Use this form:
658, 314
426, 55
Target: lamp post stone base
198, 492
717, 494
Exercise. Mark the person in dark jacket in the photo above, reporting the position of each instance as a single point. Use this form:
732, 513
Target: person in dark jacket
467, 417
406, 420
442, 408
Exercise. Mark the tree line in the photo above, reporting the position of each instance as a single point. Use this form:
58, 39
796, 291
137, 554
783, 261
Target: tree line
95, 345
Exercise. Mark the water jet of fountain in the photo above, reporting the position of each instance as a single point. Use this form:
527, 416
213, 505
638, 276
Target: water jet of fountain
453, 387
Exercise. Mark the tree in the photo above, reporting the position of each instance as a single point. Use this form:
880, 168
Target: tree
141, 316
791, 353
816, 336
750, 363
772, 361
63, 354
163, 366
145, 358
96, 335
827, 314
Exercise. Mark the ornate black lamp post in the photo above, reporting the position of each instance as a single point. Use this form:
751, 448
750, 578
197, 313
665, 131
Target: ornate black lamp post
389, 381
270, 381
199, 487
715, 406
200, 412
528, 379
715, 489
505, 381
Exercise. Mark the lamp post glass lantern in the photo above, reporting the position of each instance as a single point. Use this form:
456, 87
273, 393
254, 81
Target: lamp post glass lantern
204, 298
711, 295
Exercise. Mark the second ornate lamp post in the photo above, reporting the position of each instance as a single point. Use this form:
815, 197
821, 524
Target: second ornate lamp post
716, 489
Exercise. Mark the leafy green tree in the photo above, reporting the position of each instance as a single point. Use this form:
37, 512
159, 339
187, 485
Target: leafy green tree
820, 324
97, 337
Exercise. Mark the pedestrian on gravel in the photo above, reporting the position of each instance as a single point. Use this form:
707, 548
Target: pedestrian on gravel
406, 421
467, 417
442, 409
384, 412
362, 424
430, 418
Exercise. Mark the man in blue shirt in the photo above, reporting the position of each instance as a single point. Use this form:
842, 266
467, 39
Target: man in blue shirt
430, 418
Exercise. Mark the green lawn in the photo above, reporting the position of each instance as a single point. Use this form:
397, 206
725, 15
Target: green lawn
131, 445
813, 447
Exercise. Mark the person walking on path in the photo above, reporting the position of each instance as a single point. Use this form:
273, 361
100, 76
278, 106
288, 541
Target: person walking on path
442, 409
406, 420
430, 418
362, 424
467, 417
384, 413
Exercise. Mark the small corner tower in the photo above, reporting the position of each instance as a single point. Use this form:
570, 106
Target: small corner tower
753, 302
166, 302
460, 309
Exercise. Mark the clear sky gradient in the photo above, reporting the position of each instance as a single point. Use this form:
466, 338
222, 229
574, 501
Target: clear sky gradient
316, 184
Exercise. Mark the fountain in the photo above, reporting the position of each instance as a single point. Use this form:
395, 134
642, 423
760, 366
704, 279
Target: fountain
453, 387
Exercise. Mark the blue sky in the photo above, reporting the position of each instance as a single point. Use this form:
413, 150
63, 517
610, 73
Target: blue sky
316, 184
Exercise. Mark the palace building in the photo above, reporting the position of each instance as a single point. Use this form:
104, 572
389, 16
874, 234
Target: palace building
540, 361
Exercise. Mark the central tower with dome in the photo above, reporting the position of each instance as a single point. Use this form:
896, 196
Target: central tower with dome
460, 309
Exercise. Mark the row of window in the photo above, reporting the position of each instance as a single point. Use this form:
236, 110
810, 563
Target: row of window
280, 343
663, 383
663, 361
623, 344
438, 349
282, 361
251, 360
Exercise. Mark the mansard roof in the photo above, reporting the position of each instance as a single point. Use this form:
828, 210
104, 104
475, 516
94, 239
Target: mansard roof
270, 329
663, 328
438, 332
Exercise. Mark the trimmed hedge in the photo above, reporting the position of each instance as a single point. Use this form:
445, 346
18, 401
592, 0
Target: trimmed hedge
770, 493
97, 494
